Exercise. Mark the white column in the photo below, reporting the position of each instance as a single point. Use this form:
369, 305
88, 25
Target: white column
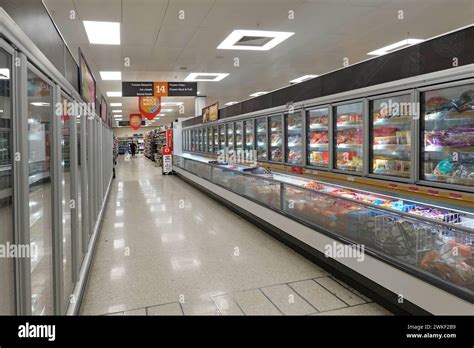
199, 104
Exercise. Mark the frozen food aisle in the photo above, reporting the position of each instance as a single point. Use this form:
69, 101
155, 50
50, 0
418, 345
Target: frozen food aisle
167, 249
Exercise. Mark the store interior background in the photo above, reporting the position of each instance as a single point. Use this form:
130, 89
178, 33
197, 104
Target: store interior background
165, 40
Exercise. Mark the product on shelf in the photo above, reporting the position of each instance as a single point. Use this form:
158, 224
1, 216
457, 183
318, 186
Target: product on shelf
276, 140
295, 140
277, 155
319, 157
317, 121
349, 118
349, 136
294, 156
318, 138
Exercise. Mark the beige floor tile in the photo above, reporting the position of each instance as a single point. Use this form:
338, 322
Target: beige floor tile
227, 305
315, 294
363, 309
200, 307
341, 292
254, 302
166, 309
140, 311
288, 300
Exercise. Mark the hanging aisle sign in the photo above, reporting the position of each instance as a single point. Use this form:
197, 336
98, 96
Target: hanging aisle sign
149, 106
158, 89
135, 121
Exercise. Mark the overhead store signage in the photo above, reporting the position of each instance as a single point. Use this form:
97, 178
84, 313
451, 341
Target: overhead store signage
135, 121
159, 89
149, 106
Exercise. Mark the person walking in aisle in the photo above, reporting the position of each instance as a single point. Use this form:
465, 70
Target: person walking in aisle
133, 148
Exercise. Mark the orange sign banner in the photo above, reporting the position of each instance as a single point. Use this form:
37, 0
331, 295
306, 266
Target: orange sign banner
160, 89
136, 121
149, 106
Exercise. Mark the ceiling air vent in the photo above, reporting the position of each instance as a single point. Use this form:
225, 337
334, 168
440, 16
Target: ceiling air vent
255, 41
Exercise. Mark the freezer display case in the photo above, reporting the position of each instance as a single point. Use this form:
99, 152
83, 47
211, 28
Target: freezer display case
349, 137
433, 243
222, 140
239, 136
276, 138
447, 135
249, 135
390, 137
230, 136
294, 138
317, 125
215, 135
194, 140
262, 142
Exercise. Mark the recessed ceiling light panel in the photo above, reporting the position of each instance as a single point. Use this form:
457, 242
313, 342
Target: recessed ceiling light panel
214, 77
114, 94
253, 40
117, 111
103, 33
303, 78
230, 103
115, 104
111, 75
395, 46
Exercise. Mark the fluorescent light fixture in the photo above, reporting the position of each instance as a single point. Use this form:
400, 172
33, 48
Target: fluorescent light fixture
395, 46
116, 111
4, 74
103, 33
303, 78
115, 104
111, 75
117, 116
253, 40
257, 94
230, 103
166, 110
198, 93
172, 103
40, 104
114, 94
214, 77
1, 111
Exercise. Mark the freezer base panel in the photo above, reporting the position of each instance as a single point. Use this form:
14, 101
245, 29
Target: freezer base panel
394, 289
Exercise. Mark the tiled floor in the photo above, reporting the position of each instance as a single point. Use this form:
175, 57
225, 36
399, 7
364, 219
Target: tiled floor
167, 249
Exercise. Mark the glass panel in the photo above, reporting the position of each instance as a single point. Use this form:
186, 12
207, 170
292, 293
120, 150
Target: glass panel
391, 135
222, 144
66, 120
239, 136
40, 112
209, 139
276, 138
294, 142
262, 139
215, 132
249, 140
447, 118
79, 189
259, 189
204, 140
200, 137
318, 137
230, 136
7, 280
349, 137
